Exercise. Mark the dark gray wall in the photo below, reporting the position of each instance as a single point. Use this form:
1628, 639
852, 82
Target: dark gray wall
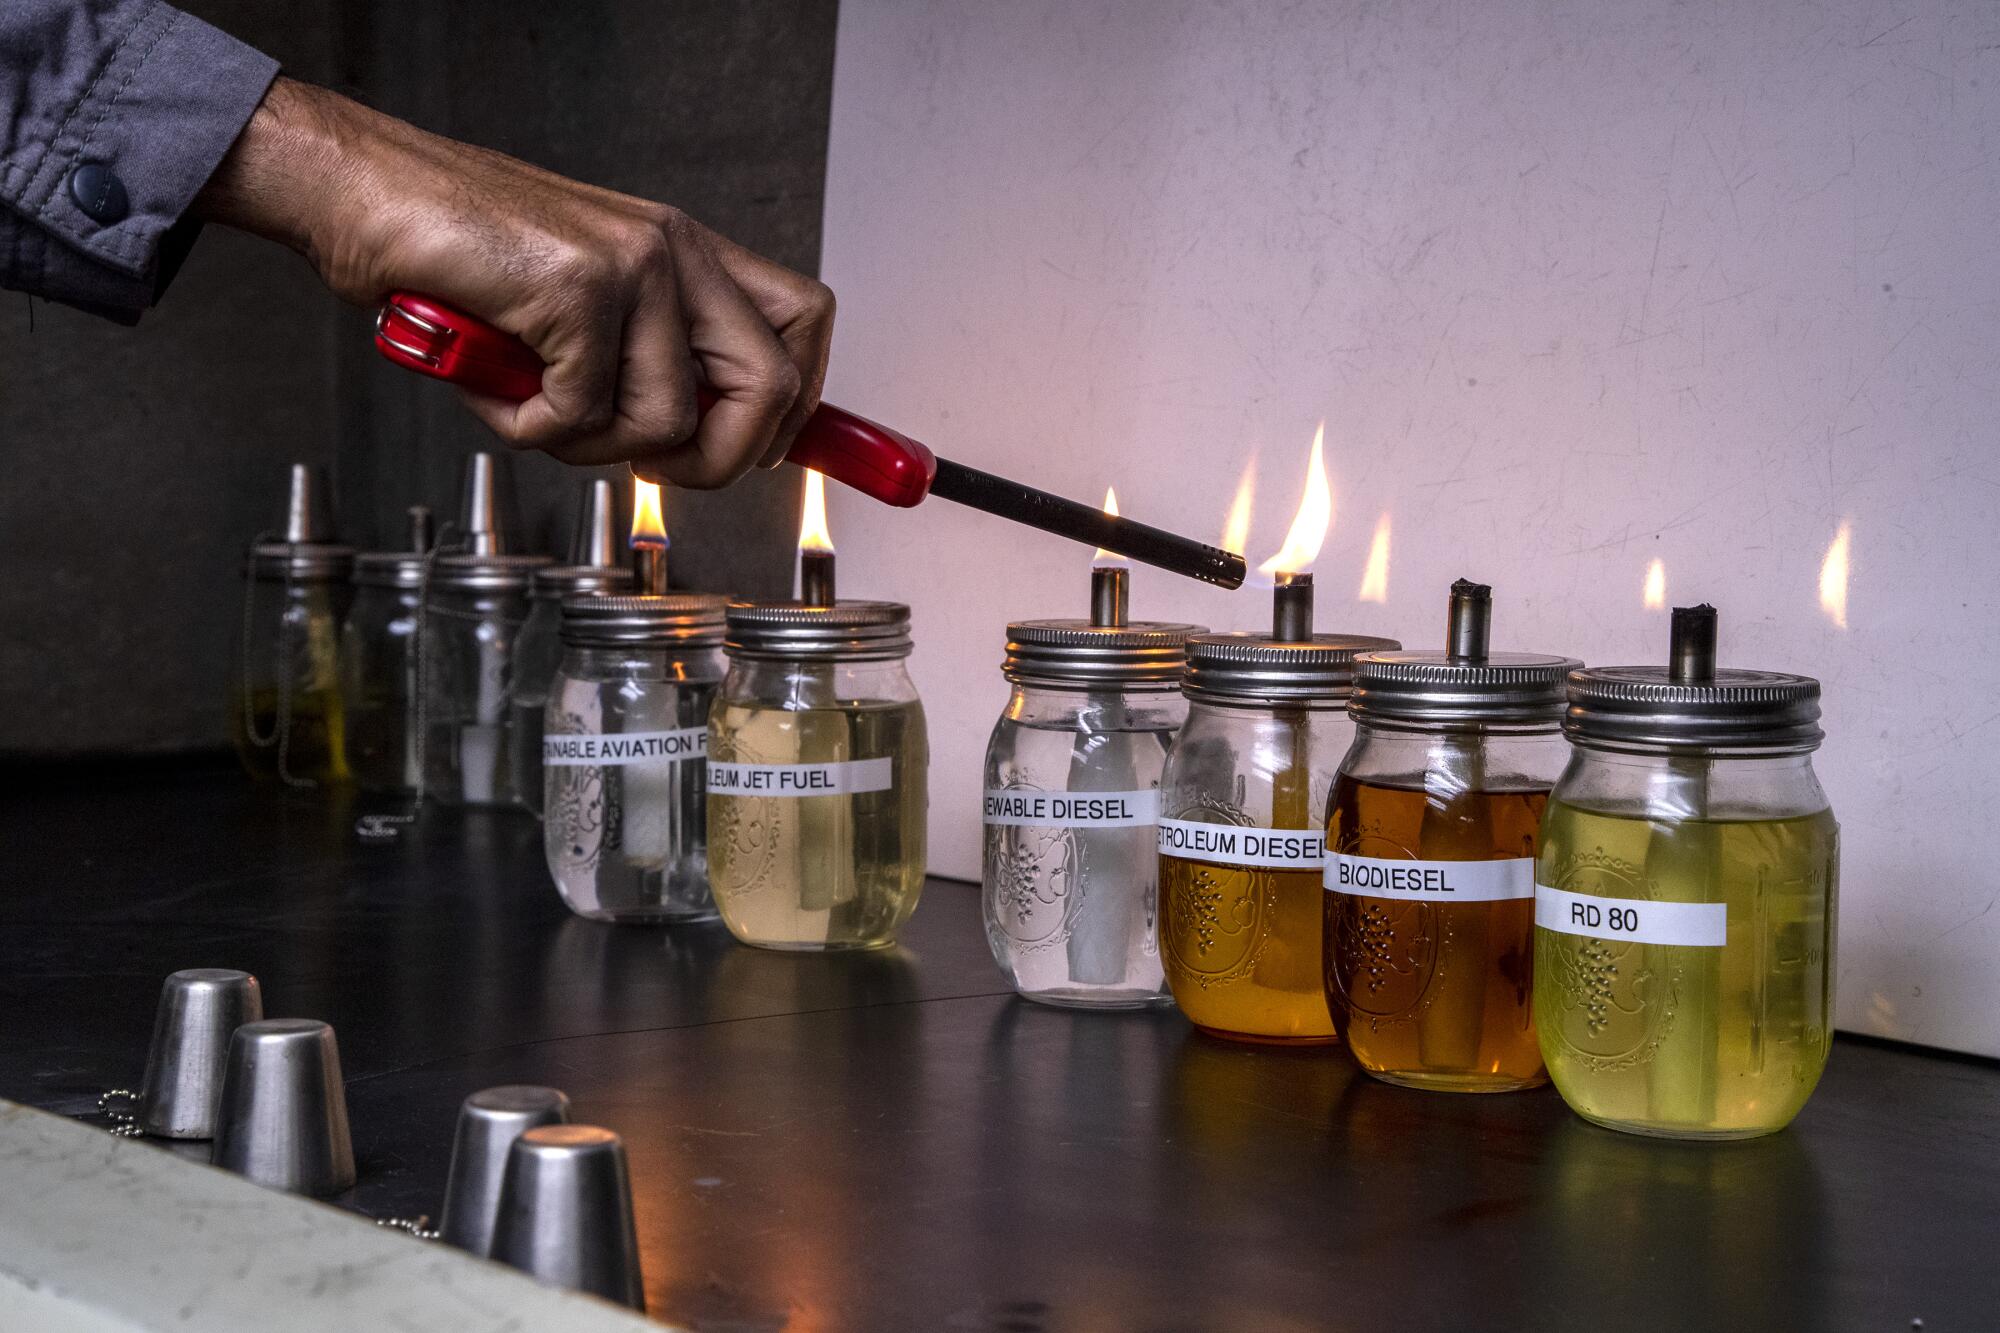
140, 461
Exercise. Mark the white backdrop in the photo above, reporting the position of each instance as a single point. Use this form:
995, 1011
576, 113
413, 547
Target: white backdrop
1574, 286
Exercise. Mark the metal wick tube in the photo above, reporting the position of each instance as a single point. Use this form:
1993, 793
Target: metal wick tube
1691, 654
420, 528
1470, 628
816, 583
1110, 596
649, 569
1292, 608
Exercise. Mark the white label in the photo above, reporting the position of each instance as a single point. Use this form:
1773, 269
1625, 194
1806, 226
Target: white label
1073, 809
847, 779
1235, 845
625, 747
1431, 881
1702, 925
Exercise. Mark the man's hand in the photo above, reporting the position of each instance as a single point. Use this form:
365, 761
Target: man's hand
630, 303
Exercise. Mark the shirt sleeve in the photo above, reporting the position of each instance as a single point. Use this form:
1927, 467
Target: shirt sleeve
113, 115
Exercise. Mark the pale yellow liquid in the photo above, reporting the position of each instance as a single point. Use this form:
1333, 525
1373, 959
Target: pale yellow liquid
1684, 1041
819, 872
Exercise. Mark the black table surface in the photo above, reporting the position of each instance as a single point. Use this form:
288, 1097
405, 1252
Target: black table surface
893, 1141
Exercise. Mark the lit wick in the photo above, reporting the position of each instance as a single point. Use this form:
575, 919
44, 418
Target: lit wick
1110, 580
1292, 607
1470, 627
816, 576
1691, 654
649, 540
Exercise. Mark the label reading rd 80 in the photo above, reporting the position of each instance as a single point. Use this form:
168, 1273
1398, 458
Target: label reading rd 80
1637, 920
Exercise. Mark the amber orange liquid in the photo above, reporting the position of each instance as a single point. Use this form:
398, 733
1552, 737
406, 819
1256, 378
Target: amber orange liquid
1432, 995
1242, 950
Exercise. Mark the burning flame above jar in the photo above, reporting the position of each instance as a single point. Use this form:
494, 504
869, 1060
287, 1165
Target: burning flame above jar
1236, 527
1833, 577
1655, 594
1310, 524
813, 532
1109, 559
1375, 576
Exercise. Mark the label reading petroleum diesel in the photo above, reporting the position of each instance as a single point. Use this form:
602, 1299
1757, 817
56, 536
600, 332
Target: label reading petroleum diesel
1236, 845
1640, 920
851, 778
1073, 809
1431, 881
625, 747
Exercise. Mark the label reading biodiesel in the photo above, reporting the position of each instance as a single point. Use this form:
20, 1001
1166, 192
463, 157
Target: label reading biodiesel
1431, 881
1640, 920
1073, 809
1236, 845
851, 778
625, 747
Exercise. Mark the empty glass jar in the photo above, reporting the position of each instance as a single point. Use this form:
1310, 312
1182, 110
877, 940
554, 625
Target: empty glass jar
1430, 873
817, 765
1071, 870
537, 656
378, 659
1242, 831
477, 605
1684, 899
285, 696
624, 742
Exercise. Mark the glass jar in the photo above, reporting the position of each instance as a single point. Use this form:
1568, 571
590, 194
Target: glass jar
285, 699
472, 621
538, 653
1242, 842
1684, 902
1430, 871
378, 664
817, 776
1071, 874
623, 746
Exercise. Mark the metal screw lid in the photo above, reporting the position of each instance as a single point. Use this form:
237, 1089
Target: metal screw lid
565, 581
853, 631
1251, 669
677, 619
300, 562
1463, 682
1072, 653
389, 569
1691, 704
464, 572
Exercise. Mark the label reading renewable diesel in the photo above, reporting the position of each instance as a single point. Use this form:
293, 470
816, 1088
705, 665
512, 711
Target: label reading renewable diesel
851, 778
1640, 920
1235, 845
1431, 881
625, 747
1073, 809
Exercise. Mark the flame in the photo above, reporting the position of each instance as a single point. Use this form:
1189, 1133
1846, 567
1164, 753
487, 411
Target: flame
1656, 585
649, 524
1375, 578
1103, 558
1315, 516
1833, 577
1236, 528
813, 534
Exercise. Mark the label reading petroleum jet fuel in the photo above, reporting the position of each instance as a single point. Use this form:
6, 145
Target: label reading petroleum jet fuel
851, 778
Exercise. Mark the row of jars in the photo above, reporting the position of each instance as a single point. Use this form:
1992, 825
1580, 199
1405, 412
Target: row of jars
1332, 840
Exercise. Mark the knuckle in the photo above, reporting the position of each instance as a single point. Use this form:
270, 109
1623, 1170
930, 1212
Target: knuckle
820, 302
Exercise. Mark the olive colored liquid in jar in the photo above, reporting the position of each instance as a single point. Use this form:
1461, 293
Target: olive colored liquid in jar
1690, 1041
315, 746
1434, 995
839, 871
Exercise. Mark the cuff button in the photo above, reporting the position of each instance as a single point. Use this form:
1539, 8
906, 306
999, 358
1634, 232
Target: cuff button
99, 193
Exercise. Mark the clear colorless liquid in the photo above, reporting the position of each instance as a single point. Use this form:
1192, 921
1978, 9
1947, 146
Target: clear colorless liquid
1071, 913
819, 872
1685, 1041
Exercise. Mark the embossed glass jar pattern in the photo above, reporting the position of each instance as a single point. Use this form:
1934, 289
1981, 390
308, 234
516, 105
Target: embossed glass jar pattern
1685, 901
624, 741
538, 654
1242, 842
1071, 800
817, 777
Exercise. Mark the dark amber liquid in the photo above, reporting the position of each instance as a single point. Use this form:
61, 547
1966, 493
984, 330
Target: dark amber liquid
1434, 995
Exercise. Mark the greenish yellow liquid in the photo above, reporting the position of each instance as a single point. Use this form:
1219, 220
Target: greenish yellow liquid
1684, 1041
840, 871
314, 746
